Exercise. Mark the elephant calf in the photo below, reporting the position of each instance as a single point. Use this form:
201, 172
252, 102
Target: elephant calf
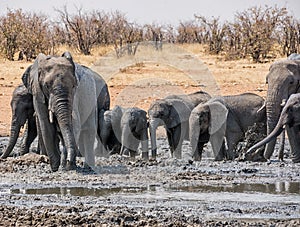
224, 119
123, 130
22, 113
173, 112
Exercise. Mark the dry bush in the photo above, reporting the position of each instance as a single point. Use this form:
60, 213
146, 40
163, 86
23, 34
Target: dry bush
26, 33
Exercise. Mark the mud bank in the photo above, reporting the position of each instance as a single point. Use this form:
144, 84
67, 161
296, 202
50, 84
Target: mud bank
164, 192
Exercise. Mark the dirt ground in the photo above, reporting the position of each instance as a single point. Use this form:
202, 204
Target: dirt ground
162, 192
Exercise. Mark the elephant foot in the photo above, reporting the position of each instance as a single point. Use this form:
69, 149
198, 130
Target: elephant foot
70, 165
153, 153
145, 156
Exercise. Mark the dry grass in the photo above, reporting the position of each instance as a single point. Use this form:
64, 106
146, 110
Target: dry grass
158, 79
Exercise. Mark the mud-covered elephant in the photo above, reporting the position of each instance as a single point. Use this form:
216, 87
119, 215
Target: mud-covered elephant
283, 80
110, 124
22, 115
66, 100
134, 131
123, 129
223, 119
173, 113
289, 118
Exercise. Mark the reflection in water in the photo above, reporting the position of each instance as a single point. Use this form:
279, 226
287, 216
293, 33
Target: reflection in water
277, 188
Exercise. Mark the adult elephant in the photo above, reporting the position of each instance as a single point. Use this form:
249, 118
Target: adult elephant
22, 115
123, 129
283, 80
173, 112
221, 118
289, 118
66, 99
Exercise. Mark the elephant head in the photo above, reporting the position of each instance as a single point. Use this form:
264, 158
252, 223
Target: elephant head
208, 119
22, 112
168, 112
52, 82
283, 80
289, 117
134, 128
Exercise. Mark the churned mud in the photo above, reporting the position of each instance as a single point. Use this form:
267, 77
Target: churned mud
162, 192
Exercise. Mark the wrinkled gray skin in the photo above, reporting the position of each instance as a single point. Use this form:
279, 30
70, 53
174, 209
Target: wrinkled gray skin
110, 123
124, 129
173, 113
220, 118
289, 118
22, 113
134, 130
66, 99
283, 81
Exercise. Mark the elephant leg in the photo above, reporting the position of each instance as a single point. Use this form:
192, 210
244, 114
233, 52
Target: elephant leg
197, 156
294, 139
30, 134
87, 139
175, 138
232, 139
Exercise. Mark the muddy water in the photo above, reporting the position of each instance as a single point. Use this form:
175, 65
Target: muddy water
159, 193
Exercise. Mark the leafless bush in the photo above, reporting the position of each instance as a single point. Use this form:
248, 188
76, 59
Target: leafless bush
254, 32
126, 36
289, 35
215, 32
27, 33
191, 32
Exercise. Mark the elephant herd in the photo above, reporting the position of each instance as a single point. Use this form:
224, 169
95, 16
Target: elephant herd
67, 106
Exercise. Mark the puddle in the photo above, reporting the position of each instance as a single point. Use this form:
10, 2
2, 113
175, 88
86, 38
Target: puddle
279, 188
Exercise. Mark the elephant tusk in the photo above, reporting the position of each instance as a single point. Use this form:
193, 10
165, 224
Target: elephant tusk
50, 116
283, 103
262, 107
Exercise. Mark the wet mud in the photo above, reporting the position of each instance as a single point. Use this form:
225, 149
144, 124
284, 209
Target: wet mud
161, 192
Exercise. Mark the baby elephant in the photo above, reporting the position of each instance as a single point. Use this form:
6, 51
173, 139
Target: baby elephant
22, 114
224, 119
122, 130
289, 119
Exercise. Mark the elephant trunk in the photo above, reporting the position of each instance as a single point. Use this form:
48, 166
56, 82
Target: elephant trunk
154, 123
272, 136
273, 108
194, 132
144, 142
14, 134
63, 111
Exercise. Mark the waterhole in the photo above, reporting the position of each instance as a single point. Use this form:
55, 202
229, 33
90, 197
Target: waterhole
279, 188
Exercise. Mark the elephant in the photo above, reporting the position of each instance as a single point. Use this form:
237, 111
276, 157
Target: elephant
67, 98
289, 118
283, 80
22, 114
173, 113
110, 124
224, 119
134, 131
123, 129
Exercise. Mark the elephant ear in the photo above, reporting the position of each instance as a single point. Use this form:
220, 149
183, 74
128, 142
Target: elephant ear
31, 75
217, 128
180, 111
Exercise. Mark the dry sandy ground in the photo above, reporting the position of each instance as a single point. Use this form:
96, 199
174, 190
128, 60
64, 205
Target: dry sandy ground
232, 77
